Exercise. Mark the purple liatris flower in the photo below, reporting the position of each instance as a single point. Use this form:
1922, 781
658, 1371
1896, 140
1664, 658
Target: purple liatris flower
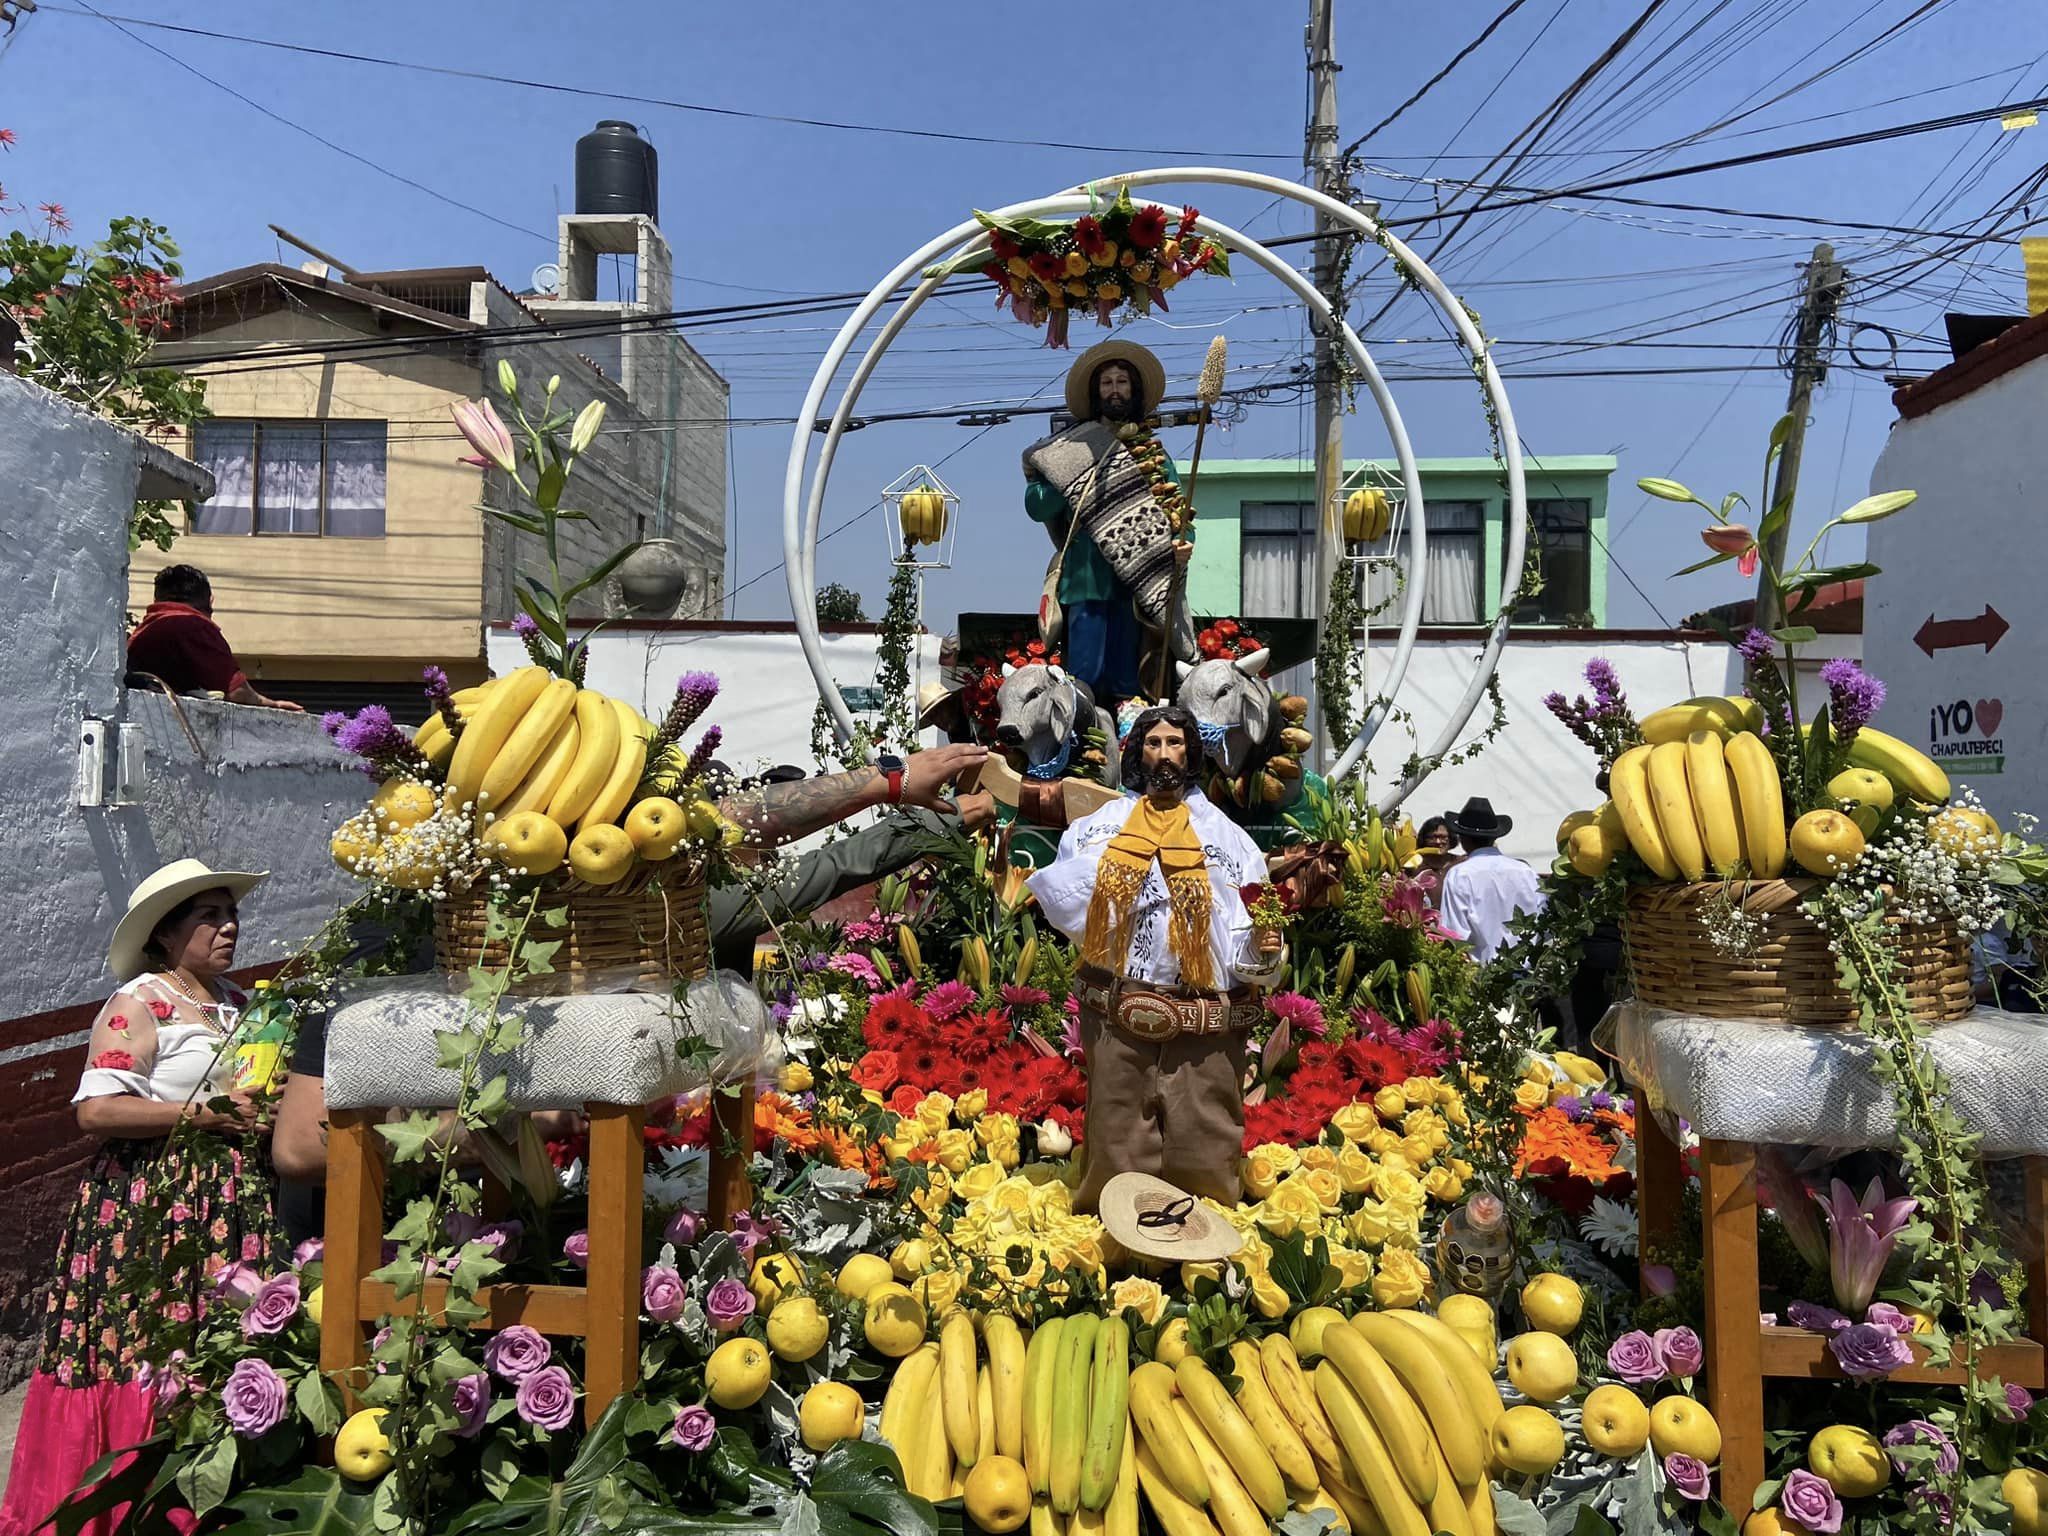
694, 693
694, 1429
661, 1293
1920, 1432
273, 1307
370, 734
701, 755
1869, 1351
1861, 1237
547, 1398
515, 1353
252, 1398
1607, 694
440, 695
1811, 1502
1853, 696
1689, 1477
1634, 1358
728, 1304
1756, 646
471, 1403
523, 626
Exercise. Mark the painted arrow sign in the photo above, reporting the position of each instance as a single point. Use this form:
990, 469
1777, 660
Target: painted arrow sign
1987, 629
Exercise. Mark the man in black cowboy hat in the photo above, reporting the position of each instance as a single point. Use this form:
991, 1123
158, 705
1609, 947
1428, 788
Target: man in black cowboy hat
1486, 889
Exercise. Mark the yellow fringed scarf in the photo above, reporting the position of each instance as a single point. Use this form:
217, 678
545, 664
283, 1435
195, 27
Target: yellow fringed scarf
1169, 837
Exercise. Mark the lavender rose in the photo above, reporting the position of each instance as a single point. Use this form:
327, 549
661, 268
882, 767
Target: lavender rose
728, 1304
1680, 1350
661, 1293
695, 1429
1688, 1476
577, 1246
275, 1305
547, 1398
2019, 1402
237, 1284
1920, 1432
515, 1353
1810, 1314
1811, 1502
311, 1251
252, 1398
684, 1228
1634, 1358
1868, 1352
1883, 1314
472, 1402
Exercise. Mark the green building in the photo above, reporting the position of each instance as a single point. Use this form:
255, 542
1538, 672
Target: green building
1255, 548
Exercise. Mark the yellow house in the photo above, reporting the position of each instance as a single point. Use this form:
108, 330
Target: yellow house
346, 543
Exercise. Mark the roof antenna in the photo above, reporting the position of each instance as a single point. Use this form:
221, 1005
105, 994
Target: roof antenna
314, 251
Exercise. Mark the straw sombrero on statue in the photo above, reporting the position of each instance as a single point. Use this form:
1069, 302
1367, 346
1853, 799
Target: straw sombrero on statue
1152, 1219
157, 897
1081, 377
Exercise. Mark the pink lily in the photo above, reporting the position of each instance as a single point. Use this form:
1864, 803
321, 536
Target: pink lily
1733, 539
485, 432
1786, 1194
1861, 1237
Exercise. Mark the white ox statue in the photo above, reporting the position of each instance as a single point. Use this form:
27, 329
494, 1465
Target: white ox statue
1043, 711
1231, 695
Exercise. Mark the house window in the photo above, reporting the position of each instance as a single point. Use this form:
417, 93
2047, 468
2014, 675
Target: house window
1279, 562
296, 478
1456, 563
1277, 555
1560, 548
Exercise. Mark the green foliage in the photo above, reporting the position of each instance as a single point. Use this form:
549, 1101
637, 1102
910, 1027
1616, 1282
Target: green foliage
840, 604
900, 625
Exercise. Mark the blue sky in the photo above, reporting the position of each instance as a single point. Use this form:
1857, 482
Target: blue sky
760, 210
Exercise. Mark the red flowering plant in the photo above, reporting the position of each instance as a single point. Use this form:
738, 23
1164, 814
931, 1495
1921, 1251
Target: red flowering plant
1126, 256
1227, 640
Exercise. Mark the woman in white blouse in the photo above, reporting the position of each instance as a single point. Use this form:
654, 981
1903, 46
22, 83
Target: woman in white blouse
158, 1216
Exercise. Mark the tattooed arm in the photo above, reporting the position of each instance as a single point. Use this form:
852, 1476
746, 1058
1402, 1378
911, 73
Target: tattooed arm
774, 814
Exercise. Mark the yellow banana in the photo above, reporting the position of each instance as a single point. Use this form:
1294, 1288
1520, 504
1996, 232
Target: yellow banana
1672, 797
539, 784
1368, 1454
1230, 1506
1174, 1514
1356, 1509
1086, 1522
523, 748
1297, 1399
599, 721
436, 743
619, 787
956, 1378
1713, 800
1675, 722
495, 721
934, 1455
1459, 1361
1629, 781
1448, 1514
1394, 1414
912, 955
1760, 795
1045, 1521
1443, 1401
1912, 771
1255, 1400
1102, 1453
1121, 1517
1479, 1509
906, 1410
1004, 1341
1232, 1432
1152, 1395
1041, 1368
984, 1415
1070, 1409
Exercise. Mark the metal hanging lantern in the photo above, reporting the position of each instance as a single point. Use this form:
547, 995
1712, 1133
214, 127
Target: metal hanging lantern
1369, 507
920, 512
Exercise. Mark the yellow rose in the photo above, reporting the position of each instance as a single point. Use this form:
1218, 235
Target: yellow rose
1319, 1156
1055, 1198
1418, 1091
1354, 1171
956, 1151
1267, 1296
1417, 1149
1170, 251
1077, 264
1141, 270
971, 1106
1258, 1175
1404, 1226
1381, 1142
1401, 1280
1530, 1095
978, 1180
934, 1112
1326, 1186
1108, 291
938, 1290
1420, 1122
1353, 1264
1391, 1103
1396, 1186
1444, 1185
1285, 1158
1292, 1208
1537, 1070
1077, 288
1106, 257
990, 1127
1355, 1122
1461, 1168
1169, 277
837, 1110
1138, 1292
1190, 1273
933, 1197
1006, 1152
1018, 267
794, 1077
1396, 1159
1370, 1224
900, 1143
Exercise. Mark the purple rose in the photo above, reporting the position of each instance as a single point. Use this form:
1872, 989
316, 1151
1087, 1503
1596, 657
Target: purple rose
1634, 1358
728, 1304
2019, 1402
472, 1402
661, 1293
276, 1304
750, 1232
1925, 1498
1680, 1350
1811, 1314
1660, 1279
1868, 1352
1920, 1432
503, 1239
1688, 1475
684, 1228
311, 1251
547, 1398
1810, 1501
695, 1429
515, 1353
252, 1398
577, 1246
237, 1284
1883, 1314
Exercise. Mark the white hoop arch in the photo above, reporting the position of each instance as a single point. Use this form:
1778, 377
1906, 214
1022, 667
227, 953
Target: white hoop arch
802, 515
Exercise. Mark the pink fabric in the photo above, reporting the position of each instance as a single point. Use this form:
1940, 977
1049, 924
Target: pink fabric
64, 1430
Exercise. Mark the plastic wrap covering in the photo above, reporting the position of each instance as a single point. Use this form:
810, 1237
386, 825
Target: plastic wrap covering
627, 1045
1765, 1083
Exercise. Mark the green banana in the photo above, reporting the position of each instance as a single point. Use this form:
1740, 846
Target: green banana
1070, 1410
1041, 1368
1102, 1457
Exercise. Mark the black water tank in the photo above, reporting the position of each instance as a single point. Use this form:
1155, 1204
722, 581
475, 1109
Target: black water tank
616, 172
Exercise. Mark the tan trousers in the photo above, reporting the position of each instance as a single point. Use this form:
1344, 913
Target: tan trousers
1174, 1109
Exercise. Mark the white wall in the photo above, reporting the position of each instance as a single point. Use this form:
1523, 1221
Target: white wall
1974, 538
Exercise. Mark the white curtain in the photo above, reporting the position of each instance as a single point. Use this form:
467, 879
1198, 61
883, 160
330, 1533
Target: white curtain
228, 449
355, 479
1457, 556
288, 488
1273, 553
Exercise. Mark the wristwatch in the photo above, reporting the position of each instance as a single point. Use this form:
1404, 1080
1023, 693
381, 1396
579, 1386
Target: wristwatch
892, 774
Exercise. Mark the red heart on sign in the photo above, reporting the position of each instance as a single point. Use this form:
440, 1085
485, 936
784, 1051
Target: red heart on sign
1989, 713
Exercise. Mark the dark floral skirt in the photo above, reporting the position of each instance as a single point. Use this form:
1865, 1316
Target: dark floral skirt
153, 1223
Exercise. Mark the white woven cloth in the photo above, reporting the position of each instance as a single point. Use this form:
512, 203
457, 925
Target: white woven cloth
1767, 1083
622, 1047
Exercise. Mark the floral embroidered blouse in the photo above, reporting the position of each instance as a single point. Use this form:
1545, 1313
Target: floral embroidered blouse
154, 1042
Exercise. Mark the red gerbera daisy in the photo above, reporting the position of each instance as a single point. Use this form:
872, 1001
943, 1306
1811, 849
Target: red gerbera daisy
889, 1019
1148, 227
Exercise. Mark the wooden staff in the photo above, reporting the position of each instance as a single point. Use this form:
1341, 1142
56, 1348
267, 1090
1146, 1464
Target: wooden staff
1208, 390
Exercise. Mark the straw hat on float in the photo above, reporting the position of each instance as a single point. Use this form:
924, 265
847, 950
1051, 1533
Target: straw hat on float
1152, 1219
1081, 377
157, 897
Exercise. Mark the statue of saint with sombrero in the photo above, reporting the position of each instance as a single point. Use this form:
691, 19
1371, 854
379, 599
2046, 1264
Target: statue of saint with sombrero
1109, 495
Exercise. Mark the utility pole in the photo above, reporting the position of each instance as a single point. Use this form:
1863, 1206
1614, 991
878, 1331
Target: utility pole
1824, 279
1326, 166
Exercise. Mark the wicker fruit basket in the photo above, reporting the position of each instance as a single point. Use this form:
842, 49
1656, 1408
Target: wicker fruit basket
650, 927
1788, 975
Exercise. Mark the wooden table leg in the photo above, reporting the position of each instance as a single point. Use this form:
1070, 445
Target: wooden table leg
1735, 1385
2034, 1244
732, 1153
354, 1243
611, 1360
1660, 1179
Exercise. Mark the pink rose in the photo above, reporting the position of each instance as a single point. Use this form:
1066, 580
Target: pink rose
577, 1248
661, 1293
273, 1307
237, 1284
1634, 1358
1680, 1350
728, 1304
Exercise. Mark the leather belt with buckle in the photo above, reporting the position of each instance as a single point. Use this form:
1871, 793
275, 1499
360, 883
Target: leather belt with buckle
1158, 1014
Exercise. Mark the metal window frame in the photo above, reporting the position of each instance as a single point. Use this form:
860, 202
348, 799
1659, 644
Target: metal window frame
1542, 533
256, 424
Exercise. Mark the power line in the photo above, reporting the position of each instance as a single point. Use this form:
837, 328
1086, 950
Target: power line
1436, 79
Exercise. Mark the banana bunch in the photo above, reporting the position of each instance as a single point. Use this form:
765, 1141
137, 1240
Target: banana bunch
1688, 806
1078, 1449
956, 1401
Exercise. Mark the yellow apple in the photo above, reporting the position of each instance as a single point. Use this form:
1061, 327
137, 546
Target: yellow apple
656, 825
737, 1374
601, 855
1528, 1440
2026, 1490
829, 1413
1825, 842
1680, 1425
1553, 1303
1863, 786
1616, 1422
528, 842
361, 1451
1306, 1332
1471, 1319
1850, 1458
861, 1274
402, 803
997, 1495
1542, 1367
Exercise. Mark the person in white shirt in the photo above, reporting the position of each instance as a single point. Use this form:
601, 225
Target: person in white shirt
1486, 889
1151, 888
